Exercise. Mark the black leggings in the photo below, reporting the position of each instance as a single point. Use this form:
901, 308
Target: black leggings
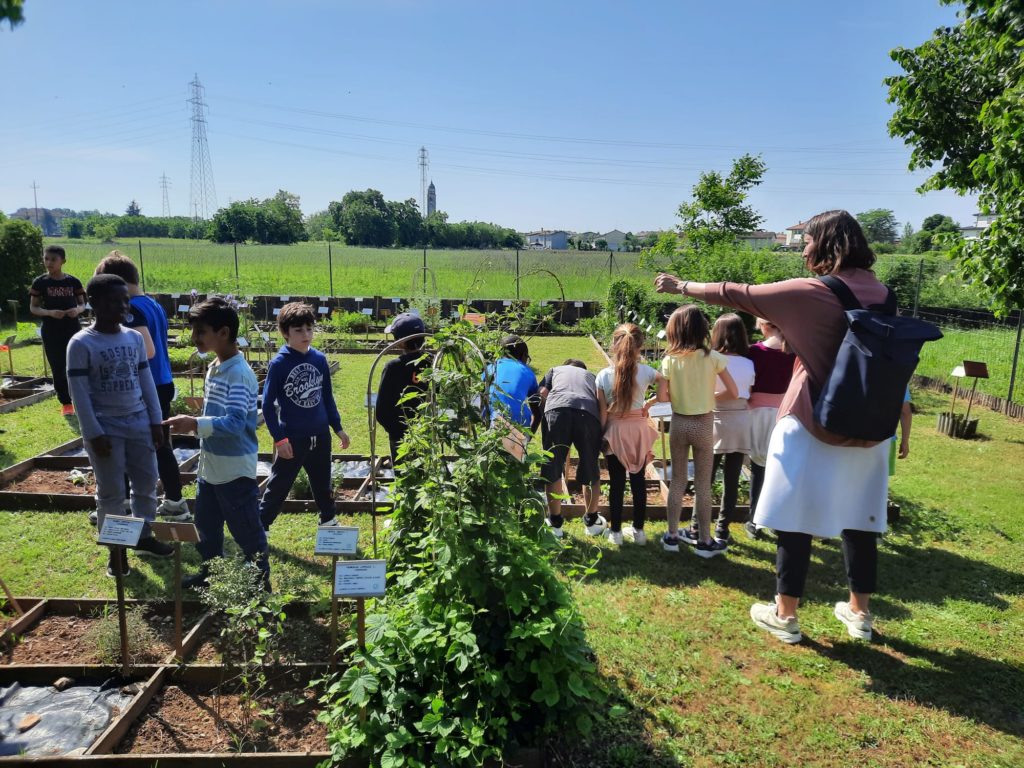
756, 483
617, 492
793, 558
55, 346
730, 483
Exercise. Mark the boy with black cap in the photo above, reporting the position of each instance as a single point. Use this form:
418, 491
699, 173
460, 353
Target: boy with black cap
401, 374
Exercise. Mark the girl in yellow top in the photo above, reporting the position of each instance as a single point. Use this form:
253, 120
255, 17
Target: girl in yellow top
691, 368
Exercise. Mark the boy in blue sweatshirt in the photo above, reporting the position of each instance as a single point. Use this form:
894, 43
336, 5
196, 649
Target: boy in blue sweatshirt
227, 491
299, 408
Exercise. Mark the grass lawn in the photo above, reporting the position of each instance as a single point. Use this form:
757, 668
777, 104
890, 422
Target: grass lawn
942, 685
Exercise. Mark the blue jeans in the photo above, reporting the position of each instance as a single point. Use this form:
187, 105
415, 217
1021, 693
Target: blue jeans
234, 503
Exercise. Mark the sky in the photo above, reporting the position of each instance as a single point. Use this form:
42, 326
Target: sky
585, 116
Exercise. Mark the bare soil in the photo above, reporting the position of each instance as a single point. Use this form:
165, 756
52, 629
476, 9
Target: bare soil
62, 640
196, 719
307, 640
570, 471
50, 481
654, 498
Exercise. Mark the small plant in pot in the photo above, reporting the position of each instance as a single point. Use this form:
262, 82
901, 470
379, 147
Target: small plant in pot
478, 646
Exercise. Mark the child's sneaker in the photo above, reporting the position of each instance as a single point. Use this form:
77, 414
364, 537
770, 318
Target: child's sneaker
752, 530
332, 521
670, 543
594, 524
555, 527
174, 511
722, 532
94, 517
196, 581
111, 563
614, 538
711, 548
635, 535
766, 617
858, 625
150, 547
690, 536
67, 410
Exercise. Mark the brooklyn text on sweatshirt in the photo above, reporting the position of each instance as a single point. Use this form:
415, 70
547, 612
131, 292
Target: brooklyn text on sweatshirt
298, 399
228, 424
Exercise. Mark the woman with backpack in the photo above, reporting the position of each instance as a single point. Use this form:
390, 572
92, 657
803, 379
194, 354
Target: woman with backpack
817, 482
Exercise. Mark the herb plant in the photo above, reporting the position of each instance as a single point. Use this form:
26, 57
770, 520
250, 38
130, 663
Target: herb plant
105, 635
477, 645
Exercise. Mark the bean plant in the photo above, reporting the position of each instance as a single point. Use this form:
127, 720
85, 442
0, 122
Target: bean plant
478, 645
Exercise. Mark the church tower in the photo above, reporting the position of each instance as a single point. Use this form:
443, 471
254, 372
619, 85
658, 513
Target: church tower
431, 199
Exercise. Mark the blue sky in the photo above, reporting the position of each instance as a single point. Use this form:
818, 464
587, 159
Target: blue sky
583, 116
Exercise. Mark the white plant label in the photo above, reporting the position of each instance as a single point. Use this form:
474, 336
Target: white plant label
285, 298
577, 303
125, 531
506, 303
359, 299
367, 311
360, 578
277, 311
323, 310
336, 540
183, 307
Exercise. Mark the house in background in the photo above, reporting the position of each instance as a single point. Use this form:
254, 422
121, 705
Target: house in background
613, 238
548, 240
757, 240
981, 223
795, 235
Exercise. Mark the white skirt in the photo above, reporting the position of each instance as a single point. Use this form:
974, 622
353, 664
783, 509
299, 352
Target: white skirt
820, 489
731, 429
762, 422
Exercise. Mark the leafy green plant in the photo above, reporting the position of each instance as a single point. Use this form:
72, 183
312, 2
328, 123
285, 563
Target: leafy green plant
350, 322
478, 645
105, 636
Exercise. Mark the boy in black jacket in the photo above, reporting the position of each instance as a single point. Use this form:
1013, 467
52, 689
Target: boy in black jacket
400, 374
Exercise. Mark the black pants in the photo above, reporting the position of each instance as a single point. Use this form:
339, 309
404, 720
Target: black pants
617, 492
166, 464
730, 484
756, 484
55, 346
312, 454
793, 558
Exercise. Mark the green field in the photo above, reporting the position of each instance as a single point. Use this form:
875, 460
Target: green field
303, 269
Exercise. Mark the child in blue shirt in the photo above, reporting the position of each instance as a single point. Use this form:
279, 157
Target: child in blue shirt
515, 391
299, 409
227, 489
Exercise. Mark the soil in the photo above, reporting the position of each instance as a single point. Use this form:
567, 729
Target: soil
570, 472
195, 719
654, 498
50, 481
5, 400
306, 640
62, 640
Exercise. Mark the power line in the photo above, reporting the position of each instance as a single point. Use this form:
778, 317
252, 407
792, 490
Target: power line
164, 184
424, 163
35, 201
202, 193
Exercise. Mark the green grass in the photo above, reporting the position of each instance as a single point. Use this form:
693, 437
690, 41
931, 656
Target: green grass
303, 269
993, 346
942, 685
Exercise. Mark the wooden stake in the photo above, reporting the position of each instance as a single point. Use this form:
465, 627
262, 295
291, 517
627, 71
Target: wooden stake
177, 598
334, 612
11, 600
122, 618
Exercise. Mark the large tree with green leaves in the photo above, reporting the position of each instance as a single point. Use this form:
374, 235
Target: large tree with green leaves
879, 225
718, 211
960, 106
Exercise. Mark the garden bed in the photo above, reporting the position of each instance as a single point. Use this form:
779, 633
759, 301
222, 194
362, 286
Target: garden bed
13, 399
306, 641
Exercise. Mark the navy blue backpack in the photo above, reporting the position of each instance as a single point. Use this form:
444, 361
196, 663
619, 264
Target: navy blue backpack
864, 392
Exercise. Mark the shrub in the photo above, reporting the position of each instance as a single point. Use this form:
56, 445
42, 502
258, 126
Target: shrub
105, 635
21, 247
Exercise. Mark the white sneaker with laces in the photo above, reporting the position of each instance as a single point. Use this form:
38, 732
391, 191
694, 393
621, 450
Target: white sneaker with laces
858, 625
614, 538
93, 517
637, 536
174, 511
765, 616
597, 527
333, 521
556, 532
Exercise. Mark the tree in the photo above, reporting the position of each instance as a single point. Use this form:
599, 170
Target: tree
106, 232
316, 223
879, 225
960, 106
133, 209
908, 232
20, 245
11, 11
363, 218
600, 244
274, 221
717, 212
937, 231
408, 223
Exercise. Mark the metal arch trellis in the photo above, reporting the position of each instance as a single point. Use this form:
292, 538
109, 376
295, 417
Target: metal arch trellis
371, 408
561, 288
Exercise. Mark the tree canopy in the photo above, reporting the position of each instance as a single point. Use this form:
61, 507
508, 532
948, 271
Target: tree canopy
274, 221
879, 225
718, 211
960, 106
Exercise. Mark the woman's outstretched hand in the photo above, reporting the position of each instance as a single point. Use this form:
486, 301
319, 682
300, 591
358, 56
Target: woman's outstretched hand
666, 283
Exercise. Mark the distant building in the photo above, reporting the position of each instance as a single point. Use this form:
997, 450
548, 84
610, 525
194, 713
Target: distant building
431, 199
795, 235
613, 238
758, 239
549, 240
981, 223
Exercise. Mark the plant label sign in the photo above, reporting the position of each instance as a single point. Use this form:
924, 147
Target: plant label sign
323, 310
175, 532
285, 298
360, 578
367, 310
577, 304
277, 311
183, 307
336, 540
122, 531
242, 342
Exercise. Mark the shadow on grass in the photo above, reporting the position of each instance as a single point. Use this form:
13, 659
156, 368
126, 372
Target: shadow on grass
960, 682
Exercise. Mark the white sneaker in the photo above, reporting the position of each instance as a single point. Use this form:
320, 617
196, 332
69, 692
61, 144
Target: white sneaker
94, 517
556, 532
333, 521
630, 533
597, 528
766, 617
614, 538
858, 625
174, 511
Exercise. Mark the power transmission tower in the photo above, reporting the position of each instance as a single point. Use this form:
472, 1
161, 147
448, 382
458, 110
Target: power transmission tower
424, 167
203, 195
35, 201
164, 184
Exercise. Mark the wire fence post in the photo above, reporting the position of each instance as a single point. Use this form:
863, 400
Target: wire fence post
142, 269
920, 278
1016, 355
330, 268
517, 274
611, 263
424, 270
238, 284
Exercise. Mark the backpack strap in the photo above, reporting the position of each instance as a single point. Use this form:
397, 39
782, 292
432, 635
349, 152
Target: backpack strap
842, 292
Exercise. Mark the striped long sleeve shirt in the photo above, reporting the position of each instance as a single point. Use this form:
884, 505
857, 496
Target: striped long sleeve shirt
228, 424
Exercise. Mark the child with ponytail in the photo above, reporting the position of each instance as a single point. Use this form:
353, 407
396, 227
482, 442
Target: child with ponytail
628, 434
690, 367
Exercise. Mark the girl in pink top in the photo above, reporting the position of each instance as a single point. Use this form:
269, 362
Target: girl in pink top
817, 483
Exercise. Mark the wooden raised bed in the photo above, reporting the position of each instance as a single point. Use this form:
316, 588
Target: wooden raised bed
19, 391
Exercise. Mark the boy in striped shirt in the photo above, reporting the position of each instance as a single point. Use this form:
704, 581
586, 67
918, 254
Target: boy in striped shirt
227, 491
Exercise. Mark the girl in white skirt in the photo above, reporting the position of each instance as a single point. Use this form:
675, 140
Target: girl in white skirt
732, 418
817, 483
628, 435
